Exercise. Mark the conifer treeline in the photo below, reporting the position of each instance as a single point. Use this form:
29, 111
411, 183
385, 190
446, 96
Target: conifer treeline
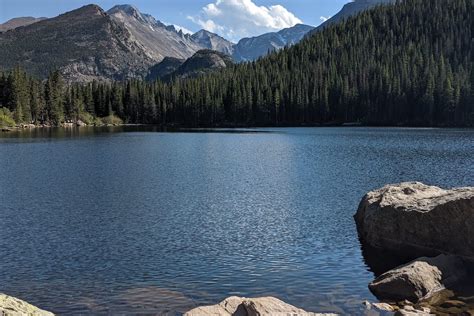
407, 64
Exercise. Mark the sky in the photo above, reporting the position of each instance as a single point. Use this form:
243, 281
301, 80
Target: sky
233, 19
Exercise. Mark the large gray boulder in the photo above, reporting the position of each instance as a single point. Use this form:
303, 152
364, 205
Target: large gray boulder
419, 279
11, 306
241, 306
416, 220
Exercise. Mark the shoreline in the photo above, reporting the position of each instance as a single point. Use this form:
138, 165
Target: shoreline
173, 127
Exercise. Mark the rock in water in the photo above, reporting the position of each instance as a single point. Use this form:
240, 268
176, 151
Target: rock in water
11, 306
415, 219
271, 306
240, 306
230, 306
411, 311
419, 279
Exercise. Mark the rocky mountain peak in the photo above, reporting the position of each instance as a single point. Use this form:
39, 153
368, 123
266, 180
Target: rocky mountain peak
202, 34
126, 8
251, 48
157, 39
93, 9
124, 11
86, 12
213, 41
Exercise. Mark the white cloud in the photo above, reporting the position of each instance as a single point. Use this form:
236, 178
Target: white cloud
235, 19
181, 28
324, 18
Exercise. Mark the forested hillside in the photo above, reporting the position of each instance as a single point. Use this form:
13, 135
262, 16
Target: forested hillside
404, 64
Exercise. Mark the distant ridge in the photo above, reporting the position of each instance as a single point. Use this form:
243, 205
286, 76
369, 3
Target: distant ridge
18, 22
248, 49
213, 41
351, 9
84, 44
92, 44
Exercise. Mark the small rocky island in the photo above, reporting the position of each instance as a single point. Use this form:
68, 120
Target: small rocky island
431, 232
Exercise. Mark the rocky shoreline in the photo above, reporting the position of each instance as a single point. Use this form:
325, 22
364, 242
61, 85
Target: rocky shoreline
11, 306
432, 227
430, 230
65, 124
241, 306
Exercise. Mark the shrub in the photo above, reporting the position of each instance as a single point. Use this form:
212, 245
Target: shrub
86, 117
6, 118
112, 120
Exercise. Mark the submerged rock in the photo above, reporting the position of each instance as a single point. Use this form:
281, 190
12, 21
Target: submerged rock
11, 306
419, 279
240, 306
415, 219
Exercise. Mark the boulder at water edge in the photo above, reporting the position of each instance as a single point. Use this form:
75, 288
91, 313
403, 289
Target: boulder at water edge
11, 306
240, 306
415, 219
419, 279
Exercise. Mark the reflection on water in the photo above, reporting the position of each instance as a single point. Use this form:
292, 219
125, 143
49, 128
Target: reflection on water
380, 261
74, 132
97, 220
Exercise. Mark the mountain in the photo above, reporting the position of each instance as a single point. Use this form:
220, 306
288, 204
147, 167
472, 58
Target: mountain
381, 67
161, 40
84, 44
201, 63
213, 41
88, 43
353, 8
248, 49
165, 68
17, 22
156, 39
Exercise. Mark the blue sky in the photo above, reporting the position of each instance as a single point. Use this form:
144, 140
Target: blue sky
231, 18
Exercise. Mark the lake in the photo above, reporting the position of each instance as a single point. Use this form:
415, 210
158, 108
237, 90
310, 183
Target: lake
131, 220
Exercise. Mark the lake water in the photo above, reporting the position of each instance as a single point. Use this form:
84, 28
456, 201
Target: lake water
130, 220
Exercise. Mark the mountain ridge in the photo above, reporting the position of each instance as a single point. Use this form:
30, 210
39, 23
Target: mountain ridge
352, 8
85, 44
251, 48
19, 22
128, 42
383, 67
157, 39
213, 41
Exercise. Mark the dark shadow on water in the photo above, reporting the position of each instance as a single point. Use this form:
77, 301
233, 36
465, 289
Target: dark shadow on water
75, 132
380, 261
